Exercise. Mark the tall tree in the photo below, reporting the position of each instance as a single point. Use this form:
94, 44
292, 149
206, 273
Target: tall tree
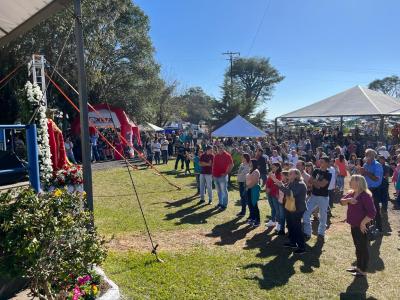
389, 85
197, 105
119, 55
253, 81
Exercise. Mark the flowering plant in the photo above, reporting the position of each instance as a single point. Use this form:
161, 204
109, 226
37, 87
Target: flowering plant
33, 102
83, 287
72, 175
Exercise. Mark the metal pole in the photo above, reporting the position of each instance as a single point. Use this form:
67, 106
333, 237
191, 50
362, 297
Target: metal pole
276, 128
341, 124
83, 106
381, 128
33, 157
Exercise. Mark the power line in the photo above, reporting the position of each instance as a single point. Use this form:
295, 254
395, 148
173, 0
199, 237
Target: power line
259, 27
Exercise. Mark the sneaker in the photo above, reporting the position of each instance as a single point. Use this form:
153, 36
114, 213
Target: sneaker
218, 205
241, 214
222, 207
307, 237
278, 227
290, 245
256, 224
209, 202
270, 223
299, 251
202, 201
250, 221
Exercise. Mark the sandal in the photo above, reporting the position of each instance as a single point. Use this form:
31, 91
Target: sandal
352, 269
358, 274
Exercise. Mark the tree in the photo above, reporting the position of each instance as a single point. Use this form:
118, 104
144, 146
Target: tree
167, 106
253, 81
197, 105
119, 55
389, 85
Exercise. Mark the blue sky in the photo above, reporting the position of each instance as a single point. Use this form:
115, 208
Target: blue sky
322, 47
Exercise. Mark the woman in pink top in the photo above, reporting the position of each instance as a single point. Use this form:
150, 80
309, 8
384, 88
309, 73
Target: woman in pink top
360, 212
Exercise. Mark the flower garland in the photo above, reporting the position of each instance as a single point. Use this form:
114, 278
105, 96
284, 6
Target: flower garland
69, 175
34, 96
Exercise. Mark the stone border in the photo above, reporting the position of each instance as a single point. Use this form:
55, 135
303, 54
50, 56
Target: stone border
113, 292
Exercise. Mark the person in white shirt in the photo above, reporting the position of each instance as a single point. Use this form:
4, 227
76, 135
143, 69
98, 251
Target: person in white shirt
275, 158
382, 151
164, 150
156, 148
293, 157
332, 183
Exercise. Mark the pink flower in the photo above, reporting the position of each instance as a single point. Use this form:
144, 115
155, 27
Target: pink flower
84, 279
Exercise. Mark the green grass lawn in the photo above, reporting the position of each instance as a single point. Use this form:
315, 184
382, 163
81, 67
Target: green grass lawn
214, 255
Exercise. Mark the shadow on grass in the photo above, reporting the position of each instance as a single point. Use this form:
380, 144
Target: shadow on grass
280, 268
229, 232
375, 261
357, 290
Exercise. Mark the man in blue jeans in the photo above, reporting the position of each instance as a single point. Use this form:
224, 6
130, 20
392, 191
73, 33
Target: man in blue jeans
221, 167
319, 198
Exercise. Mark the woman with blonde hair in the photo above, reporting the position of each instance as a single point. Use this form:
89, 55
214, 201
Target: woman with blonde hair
360, 212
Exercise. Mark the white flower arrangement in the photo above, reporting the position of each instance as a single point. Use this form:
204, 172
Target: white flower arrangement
34, 97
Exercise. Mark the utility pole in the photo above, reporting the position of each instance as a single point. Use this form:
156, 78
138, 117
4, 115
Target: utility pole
231, 58
83, 106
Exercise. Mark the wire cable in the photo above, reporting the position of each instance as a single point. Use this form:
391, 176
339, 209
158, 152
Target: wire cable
259, 27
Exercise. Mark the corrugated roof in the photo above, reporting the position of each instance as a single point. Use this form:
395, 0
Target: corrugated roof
357, 101
19, 16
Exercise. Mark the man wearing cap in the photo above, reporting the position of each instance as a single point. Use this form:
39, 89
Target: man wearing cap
222, 166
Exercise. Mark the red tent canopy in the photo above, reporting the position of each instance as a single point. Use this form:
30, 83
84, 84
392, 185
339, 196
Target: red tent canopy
104, 116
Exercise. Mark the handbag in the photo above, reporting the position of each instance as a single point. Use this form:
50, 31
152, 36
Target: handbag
290, 203
372, 232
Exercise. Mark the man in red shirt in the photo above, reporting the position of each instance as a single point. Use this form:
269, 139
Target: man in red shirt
222, 166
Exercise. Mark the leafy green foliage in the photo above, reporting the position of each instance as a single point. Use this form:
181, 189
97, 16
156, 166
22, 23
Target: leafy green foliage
254, 80
46, 238
119, 58
389, 85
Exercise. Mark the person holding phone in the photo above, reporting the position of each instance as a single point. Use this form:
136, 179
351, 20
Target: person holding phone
360, 212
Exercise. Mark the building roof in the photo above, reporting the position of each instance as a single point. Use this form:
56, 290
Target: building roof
357, 101
19, 16
238, 127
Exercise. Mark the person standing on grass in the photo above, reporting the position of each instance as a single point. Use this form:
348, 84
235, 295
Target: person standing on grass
197, 168
341, 165
360, 212
332, 184
222, 166
243, 170
319, 198
164, 150
206, 162
253, 193
156, 147
385, 183
188, 156
180, 155
298, 189
373, 173
273, 194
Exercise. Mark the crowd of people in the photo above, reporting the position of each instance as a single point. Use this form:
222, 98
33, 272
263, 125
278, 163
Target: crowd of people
302, 179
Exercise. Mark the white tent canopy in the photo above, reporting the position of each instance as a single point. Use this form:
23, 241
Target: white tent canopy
19, 16
357, 101
238, 127
150, 127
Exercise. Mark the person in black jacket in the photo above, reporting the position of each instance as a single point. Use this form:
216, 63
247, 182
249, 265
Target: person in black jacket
298, 189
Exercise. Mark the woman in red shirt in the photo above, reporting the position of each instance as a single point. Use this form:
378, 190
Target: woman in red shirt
273, 194
361, 210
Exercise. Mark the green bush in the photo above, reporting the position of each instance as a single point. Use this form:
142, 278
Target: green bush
47, 238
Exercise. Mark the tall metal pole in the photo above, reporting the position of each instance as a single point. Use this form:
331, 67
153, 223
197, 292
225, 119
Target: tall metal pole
83, 106
231, 56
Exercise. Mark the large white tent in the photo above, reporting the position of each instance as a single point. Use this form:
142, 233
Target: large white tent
238, 127
357, 101
150, 127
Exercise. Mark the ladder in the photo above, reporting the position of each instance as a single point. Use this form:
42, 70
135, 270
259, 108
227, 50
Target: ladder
36, 69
